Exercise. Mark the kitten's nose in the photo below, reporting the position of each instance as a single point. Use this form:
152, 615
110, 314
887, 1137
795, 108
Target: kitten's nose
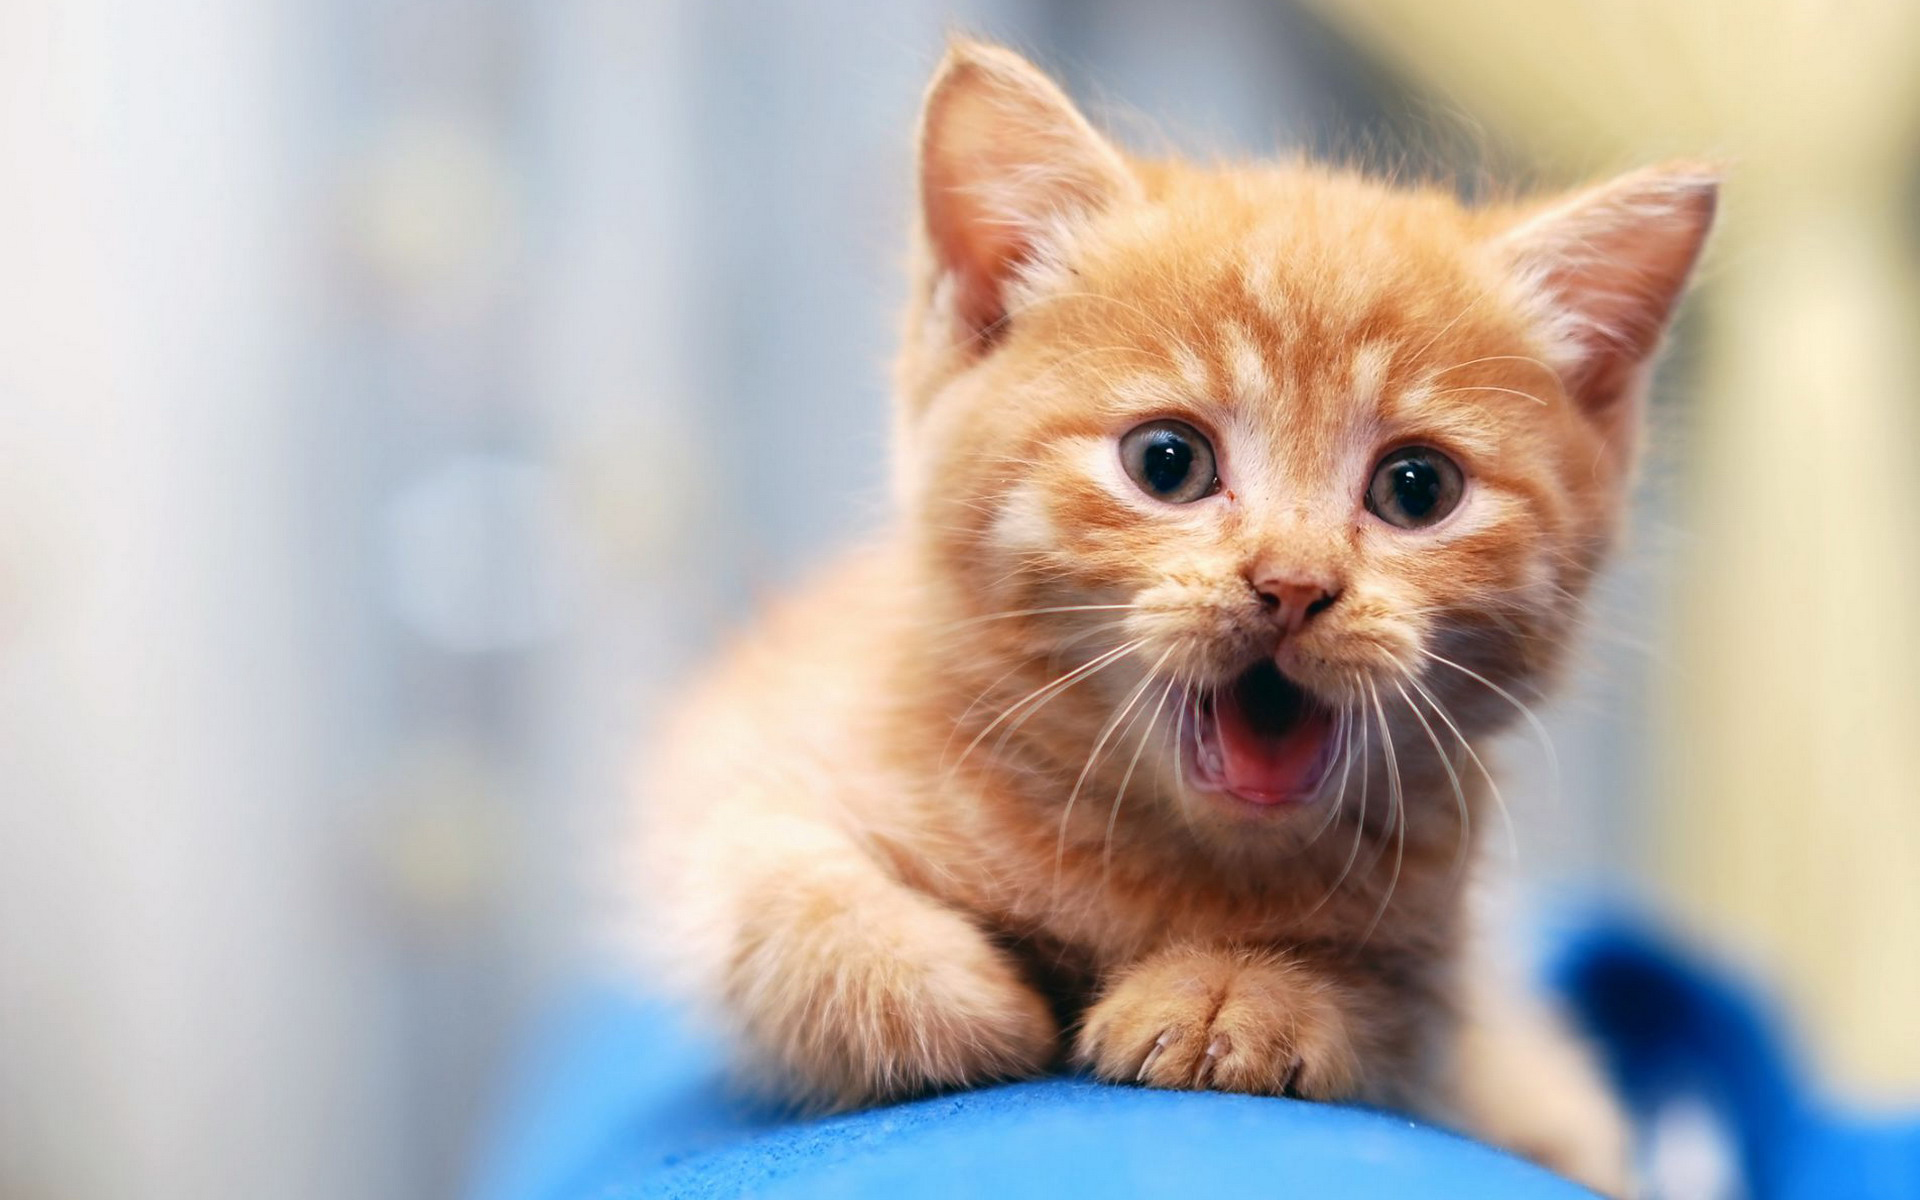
1293, 600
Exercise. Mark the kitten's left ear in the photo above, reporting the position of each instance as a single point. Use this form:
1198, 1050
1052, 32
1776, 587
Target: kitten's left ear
1606, 269
1007, 164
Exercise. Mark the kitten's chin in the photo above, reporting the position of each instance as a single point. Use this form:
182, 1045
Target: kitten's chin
1261, 739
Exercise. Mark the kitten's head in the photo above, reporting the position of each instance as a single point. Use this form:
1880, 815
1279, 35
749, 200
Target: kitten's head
1287, 458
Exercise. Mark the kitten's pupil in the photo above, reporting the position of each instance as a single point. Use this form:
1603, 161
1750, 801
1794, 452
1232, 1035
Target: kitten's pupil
1416, 487
1168, 461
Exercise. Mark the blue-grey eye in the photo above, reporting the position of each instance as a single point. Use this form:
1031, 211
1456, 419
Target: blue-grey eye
1414, 486
1170, 460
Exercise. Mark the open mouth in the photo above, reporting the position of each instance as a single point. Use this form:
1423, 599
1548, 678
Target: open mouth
1260, 738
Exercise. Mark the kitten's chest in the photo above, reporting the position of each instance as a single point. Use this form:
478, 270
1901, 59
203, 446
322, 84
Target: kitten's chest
1074, 912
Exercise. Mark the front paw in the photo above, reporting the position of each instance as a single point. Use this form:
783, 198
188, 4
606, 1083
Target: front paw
850, 997
1230, 1020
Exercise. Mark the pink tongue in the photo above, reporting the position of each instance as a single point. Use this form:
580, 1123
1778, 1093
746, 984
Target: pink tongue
1268, 765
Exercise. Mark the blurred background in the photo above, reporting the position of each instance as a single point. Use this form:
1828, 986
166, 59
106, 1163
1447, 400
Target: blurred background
396, 395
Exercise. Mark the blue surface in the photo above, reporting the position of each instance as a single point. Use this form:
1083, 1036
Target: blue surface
619, 1102
1677, 1030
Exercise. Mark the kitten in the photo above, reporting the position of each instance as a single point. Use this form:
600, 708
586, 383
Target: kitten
1234, 507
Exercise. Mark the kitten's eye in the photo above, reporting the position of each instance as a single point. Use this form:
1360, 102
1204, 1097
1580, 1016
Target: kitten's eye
1170, 460
1414, 487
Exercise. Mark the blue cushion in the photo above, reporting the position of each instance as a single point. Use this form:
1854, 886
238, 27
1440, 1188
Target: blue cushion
1682, 1034
621, 1102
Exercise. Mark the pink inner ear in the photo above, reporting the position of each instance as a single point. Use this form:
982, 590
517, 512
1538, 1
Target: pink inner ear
1004, 157
978, 253
1610, 266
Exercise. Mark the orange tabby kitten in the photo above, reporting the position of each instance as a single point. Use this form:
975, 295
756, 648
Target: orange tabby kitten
1234, 504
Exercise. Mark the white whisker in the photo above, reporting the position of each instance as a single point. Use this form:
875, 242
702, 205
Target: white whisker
1360, 821
1040, 612
1093, 758
1465, 839
1539, 727
1487, 358
1499, 801
1153, 723
1341, 732
1036, 699
1487, 387
1398, 813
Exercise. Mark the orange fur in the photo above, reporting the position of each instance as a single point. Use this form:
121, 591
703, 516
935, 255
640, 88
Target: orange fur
930, 823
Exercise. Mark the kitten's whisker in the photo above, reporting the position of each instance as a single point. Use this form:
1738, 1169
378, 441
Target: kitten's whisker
1539, 726
1180, 738
962, 722
1007, 734
1093, 757
1366, 771
1185, 679
1487, 358
1027, 567
1091, 631
1146, 735
1213, 709
1487, 387
1465, 840
1448, 327
1036, 697
1059, 365
1398, 814
1499, 801
1341, 731
1360, 819
1159, 326
1014, 460
1039, 612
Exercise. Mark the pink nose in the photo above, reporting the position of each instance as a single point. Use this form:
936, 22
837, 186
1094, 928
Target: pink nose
1292, 601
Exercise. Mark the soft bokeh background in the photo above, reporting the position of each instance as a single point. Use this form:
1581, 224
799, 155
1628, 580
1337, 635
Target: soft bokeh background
395, 395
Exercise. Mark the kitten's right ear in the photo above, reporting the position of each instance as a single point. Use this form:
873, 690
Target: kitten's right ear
1006, 163
1604, 270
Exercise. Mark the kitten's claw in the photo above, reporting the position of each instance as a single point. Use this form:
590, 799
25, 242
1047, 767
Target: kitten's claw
1292, 1077
1238, 1022
1215, 1049
1153, 1056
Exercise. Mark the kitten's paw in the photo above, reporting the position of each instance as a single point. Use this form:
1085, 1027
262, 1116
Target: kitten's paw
852, 996
1232, 1021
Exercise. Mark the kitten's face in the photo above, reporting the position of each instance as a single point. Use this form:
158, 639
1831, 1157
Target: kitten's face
1287, 464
